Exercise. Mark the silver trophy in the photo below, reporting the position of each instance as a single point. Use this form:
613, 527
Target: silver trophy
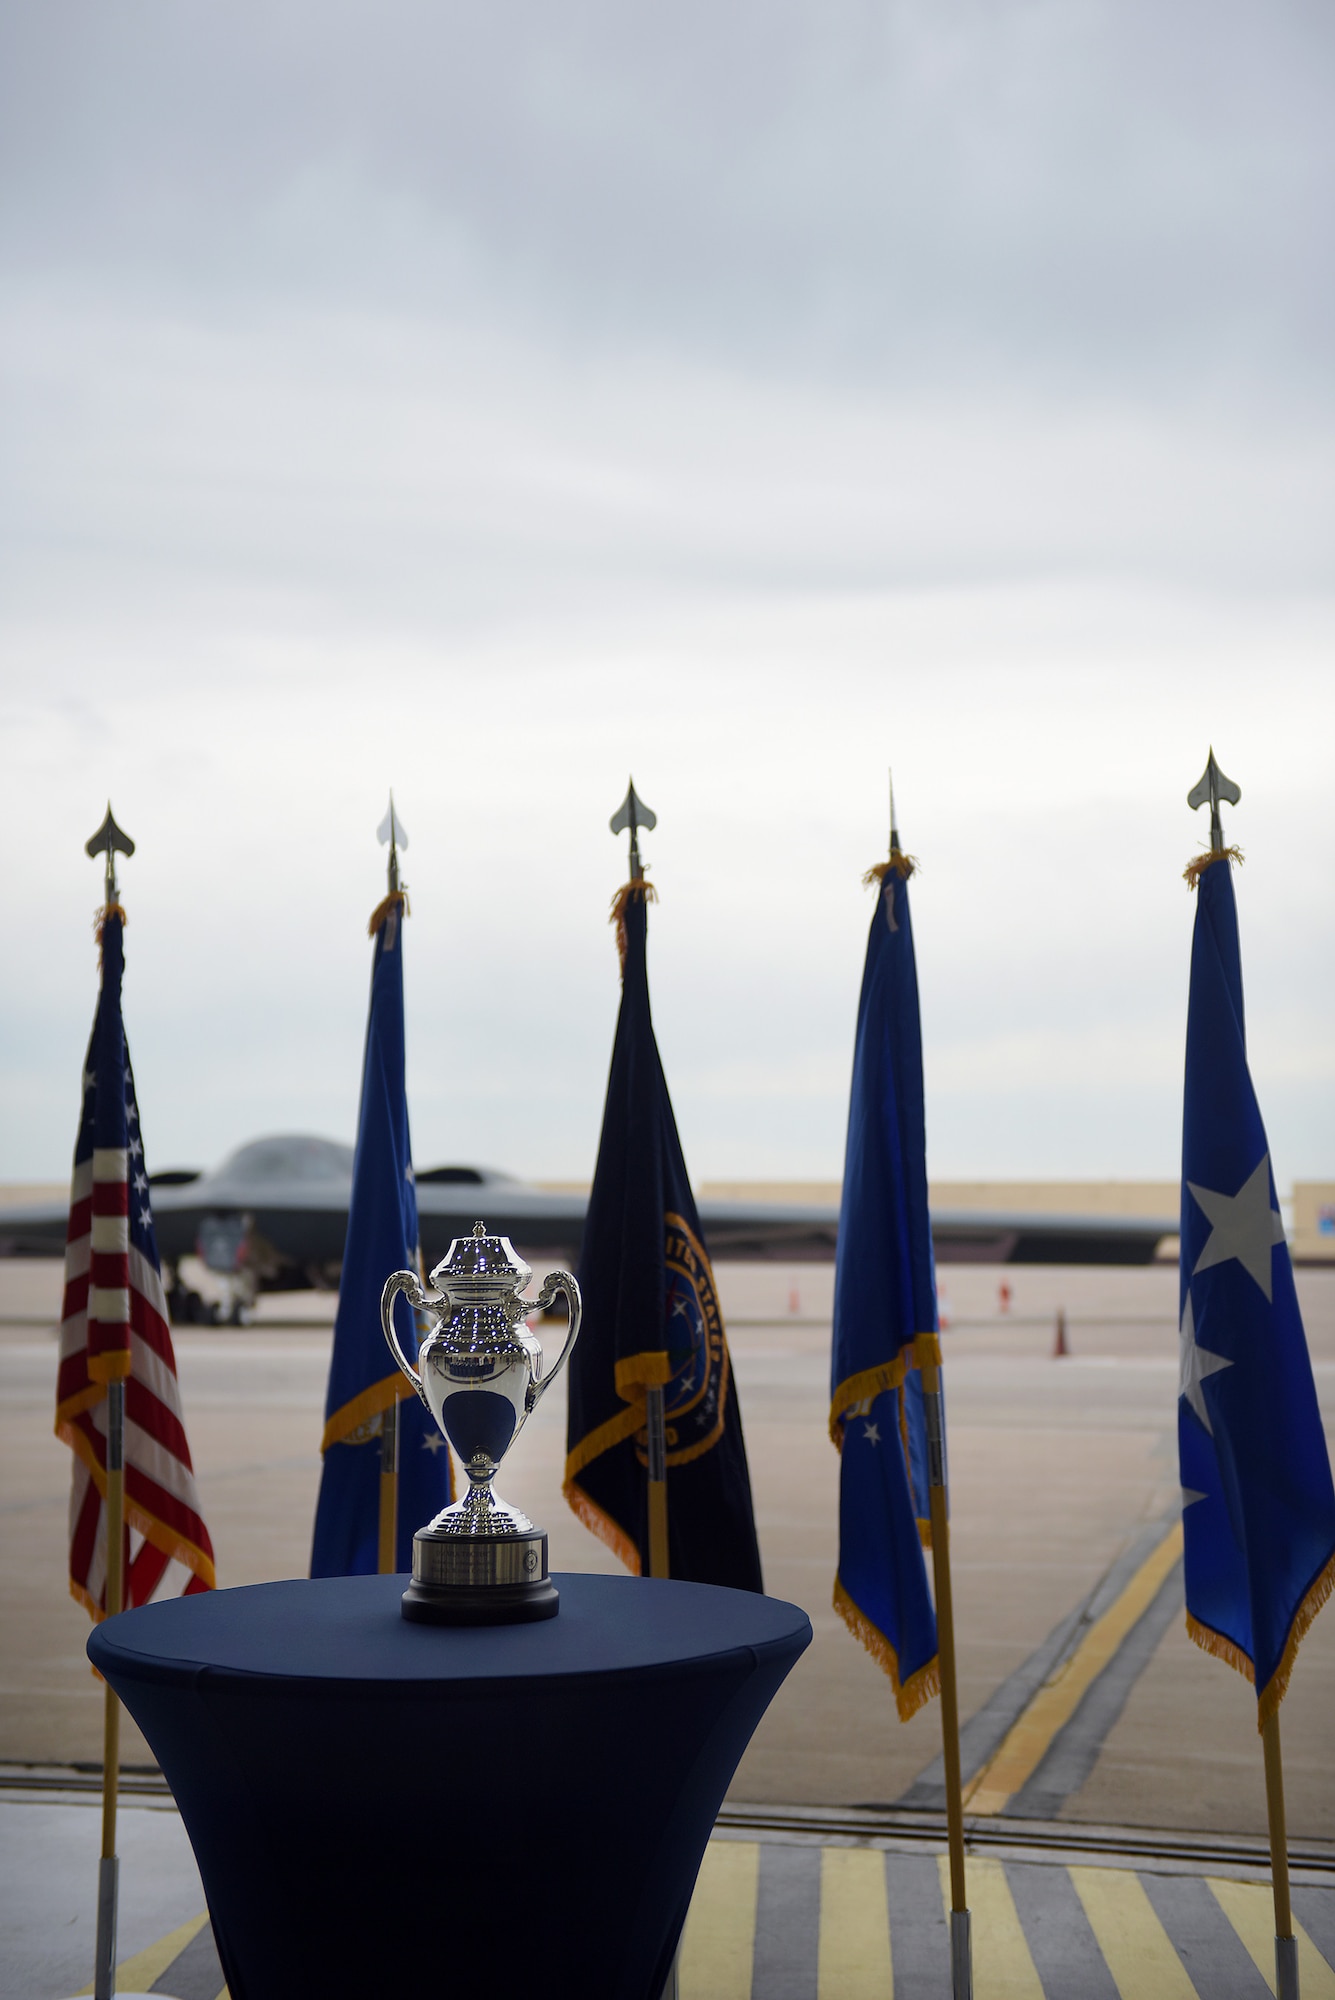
480, 1372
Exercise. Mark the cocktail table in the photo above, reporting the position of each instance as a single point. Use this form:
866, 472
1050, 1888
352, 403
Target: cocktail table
385, 1809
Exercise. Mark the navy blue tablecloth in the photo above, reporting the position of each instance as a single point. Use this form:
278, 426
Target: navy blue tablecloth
381, 1809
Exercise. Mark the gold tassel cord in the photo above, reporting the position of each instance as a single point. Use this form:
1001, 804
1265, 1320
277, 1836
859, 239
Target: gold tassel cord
382, 910
617, 914
1193, 871
910, 1695
922, 1352
899, 864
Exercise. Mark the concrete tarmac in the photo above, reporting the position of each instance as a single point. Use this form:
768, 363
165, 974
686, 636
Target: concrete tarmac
1064, 1487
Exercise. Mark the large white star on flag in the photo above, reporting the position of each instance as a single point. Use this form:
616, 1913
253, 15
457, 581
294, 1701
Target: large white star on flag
1242, 1225
1194, 1364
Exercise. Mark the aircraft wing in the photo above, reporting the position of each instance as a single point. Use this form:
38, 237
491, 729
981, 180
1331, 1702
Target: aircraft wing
974, 1236
300, 1220
36, 1229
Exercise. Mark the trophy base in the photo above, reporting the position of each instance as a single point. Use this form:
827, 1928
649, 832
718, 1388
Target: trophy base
480, 1579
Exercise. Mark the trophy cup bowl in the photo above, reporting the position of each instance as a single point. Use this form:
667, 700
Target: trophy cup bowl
481, 1373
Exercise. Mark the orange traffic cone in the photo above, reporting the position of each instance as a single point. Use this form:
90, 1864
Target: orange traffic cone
1059, 1348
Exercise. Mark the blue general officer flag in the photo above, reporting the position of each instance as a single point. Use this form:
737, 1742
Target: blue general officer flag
885, 1322
382, 1237
1258, 1505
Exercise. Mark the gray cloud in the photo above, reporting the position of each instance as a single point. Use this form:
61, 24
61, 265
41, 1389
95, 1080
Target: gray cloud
486, 400
1043, 192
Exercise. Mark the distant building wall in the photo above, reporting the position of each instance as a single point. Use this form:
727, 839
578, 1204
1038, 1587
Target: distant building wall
1314, 1221
18, 1194
1154, 1198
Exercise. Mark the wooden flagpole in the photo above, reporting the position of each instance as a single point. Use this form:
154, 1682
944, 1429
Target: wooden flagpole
104, 1977
629, 817
389, 1489
658, 1500
961, 1940
659, 1563
1286, 1945
390, 830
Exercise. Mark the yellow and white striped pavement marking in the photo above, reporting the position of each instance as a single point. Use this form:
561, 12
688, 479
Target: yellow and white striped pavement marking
1136, 1948
719, 1939
138, 1974
1002, 1966
853, 1961
1250, 1908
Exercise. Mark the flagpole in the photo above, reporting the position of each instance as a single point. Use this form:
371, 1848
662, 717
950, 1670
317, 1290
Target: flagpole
1209, 789
109, 839
108, 1871
389, 1490
387, 1560
961, 1924
656, 1439
1286, 1945
961, 1940
630, 817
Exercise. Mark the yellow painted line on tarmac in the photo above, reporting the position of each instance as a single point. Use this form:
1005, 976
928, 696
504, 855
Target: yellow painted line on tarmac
137, 1974
853, 1962
1136, 1948
718, 1941
1002, 1966
1250, 1908
1022, 1749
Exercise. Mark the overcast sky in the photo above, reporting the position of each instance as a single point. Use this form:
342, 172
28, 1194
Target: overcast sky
491, 401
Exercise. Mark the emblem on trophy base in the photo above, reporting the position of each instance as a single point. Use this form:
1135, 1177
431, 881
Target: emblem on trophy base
481, 1373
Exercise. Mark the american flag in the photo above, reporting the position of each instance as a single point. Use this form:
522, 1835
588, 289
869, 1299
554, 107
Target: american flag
114, 1326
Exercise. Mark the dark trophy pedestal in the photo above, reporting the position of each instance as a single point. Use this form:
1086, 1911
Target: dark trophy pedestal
383, 1808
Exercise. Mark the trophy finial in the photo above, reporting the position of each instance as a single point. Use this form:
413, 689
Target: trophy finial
111, 841
633, 813
1214, 786
479, 1229
391, 829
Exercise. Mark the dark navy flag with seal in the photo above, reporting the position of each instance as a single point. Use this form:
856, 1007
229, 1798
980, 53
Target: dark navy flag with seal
652, 1320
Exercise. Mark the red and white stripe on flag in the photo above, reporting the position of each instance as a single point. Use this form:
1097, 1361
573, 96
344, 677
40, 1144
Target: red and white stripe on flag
114, 1325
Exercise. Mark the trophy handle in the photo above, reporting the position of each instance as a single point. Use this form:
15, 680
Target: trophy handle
554, 1282
405, 1281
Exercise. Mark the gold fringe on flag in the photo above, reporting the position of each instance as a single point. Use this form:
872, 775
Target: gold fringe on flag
899, 864
617, 915
382, 910
1275, 1689
601, 1524
1193, 871
910, 1695
102, 917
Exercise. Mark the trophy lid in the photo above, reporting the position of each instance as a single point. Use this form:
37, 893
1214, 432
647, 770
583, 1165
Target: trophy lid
481, 1262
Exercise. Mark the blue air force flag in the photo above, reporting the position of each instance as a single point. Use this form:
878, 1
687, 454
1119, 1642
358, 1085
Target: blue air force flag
652, 1320
1258, 1505
885, 1320
382, 1237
